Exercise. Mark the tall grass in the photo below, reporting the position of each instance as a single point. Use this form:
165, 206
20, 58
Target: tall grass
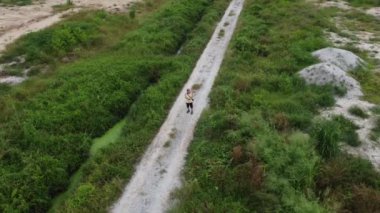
108, 172
256, 103
251, 151
49, 135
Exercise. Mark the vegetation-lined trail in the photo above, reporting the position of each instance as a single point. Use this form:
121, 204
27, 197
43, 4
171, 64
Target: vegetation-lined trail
158, 173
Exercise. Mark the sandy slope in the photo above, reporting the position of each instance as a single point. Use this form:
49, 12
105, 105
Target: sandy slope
158, 173
20, 20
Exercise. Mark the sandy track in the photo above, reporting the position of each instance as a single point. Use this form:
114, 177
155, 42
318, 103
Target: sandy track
19, 20
158, 173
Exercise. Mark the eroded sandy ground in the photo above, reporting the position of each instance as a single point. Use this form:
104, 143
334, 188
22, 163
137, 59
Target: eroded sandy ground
158, 173
365, 40
18, 21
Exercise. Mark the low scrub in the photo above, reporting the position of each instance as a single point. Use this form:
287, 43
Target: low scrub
49, 136
357, 111
327, 135
15, 2
258, 103
108, 172
366, 3
352, 183
250, 152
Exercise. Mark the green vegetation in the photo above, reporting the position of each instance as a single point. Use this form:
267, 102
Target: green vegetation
370, 82
68, 40
349, 184
45, 138
365, 3
376, 130
348, 131
15, 2
258, 148
62, 7
327, 135
357, 111
105, 175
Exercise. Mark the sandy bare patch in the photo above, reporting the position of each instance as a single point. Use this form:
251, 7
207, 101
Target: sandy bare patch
158, 173
374, 12
338, 4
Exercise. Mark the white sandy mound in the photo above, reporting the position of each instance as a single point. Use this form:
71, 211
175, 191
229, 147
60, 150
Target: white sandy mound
375, 11
344, 59
328, 73
12, 80
333, 70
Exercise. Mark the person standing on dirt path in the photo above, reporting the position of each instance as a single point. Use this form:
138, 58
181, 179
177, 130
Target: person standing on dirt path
189, 100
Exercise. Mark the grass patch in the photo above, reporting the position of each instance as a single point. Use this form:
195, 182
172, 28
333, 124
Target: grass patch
256, 103
49, 136
15, 2
370, 82
348, 131
63, 7
364, 3
357, 111
250, 152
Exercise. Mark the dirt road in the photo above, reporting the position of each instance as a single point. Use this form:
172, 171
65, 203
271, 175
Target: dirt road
158, 173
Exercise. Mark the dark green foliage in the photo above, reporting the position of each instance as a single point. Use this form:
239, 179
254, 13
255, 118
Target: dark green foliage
53, 130
348, 131
339, 179
367, 3
15, 2
357, 111
327, 134
4, 88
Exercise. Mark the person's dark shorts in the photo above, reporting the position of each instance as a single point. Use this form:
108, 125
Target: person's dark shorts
189, 105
